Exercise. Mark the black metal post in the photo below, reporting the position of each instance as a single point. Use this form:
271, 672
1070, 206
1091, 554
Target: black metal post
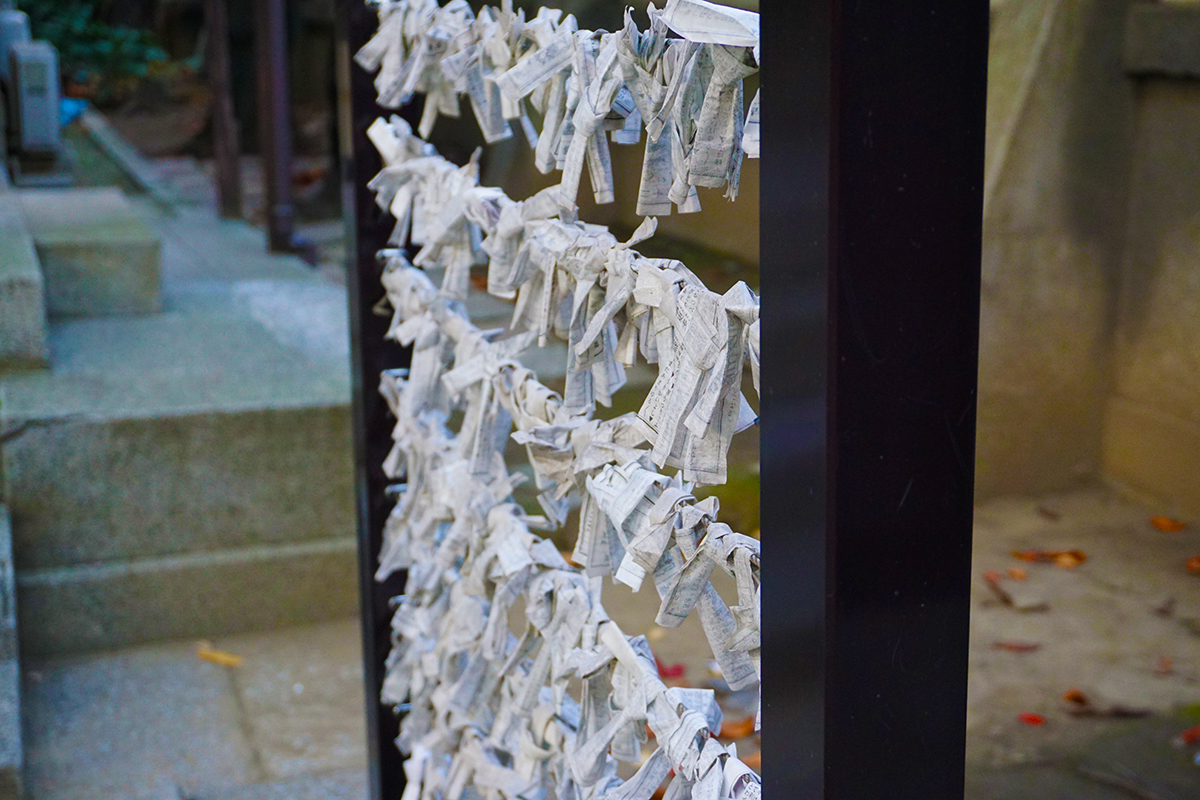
873, 129
275, 128
367, 231
224, 121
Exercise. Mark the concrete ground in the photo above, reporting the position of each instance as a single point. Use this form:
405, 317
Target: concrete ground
159, 722
1123, 628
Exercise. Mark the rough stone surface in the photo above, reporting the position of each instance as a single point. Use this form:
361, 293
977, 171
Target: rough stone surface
1051, 782
187, 472
11, 755
1060, 120
350, 785
1160, 39
22, 304
1153, 419
159, 723
8, 598
10, 673
184, 483
146, 724
1153, 455
82, 608
302, 693
1143, 760
98, 257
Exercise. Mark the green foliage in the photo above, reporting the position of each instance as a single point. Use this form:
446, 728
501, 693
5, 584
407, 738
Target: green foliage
90, 50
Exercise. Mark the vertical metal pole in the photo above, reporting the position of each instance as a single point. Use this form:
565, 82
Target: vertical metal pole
225, 133
368, 228
275, 121
873, 129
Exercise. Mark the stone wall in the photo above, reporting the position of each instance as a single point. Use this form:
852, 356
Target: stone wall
1060, 115
1152, 420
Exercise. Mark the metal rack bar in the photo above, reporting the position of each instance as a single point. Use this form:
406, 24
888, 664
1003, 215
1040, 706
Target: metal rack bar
873, 131
368, 229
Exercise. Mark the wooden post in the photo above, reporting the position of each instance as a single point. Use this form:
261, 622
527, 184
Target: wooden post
275, 125
873, 132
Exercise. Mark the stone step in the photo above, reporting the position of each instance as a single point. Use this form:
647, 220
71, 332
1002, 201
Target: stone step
22, 303
184, 474
176, 433
98, 256
193, 596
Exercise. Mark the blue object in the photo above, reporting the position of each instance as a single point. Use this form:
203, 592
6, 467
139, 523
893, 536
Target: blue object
69, 109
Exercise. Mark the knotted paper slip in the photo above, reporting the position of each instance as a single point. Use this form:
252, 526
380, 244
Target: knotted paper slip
550, 708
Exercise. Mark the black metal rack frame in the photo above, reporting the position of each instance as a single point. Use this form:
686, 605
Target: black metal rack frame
871, 196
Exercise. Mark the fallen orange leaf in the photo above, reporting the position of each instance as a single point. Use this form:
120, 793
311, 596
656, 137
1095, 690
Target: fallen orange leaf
1193, 565
1190, 736
1016, 647
1063, 558
1075, 696
1036, 720
1018, 574
738, 729
753, 760
207, 653
1166, 666
1167, 525
1067, 560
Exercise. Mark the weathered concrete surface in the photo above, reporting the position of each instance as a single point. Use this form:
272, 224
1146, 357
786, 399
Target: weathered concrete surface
1054, 782
1144, 760
8, 597
1100, 634
11, 751
158, 485
1060, 116
11, 755
1152, 426
147, 724
22, 304
158, 723
98, 257
1160, 39
189, 472
348, 785
234, 439
83, 608
302, 693
1153, 456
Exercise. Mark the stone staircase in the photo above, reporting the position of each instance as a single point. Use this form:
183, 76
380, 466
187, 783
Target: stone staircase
176, 452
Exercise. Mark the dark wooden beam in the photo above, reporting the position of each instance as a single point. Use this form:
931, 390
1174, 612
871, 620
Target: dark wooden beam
224, 121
